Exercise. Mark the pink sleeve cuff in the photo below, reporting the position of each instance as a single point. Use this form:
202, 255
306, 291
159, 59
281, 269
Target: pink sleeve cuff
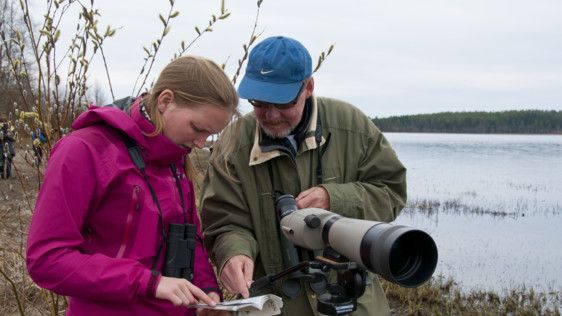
149, 282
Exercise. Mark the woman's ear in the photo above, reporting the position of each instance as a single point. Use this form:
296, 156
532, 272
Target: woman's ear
165, 98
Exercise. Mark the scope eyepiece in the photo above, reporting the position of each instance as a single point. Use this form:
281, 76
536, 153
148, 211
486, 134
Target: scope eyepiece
285, 205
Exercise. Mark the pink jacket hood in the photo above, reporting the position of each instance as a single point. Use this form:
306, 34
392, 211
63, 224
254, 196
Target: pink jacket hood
156, 149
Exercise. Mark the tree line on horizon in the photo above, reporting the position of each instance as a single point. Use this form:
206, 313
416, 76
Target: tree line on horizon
505, 122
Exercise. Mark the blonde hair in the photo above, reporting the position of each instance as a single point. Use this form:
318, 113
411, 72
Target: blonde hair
193, 80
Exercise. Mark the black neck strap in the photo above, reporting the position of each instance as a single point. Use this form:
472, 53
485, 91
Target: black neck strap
319, 177
136, 157
320, 150
178, 185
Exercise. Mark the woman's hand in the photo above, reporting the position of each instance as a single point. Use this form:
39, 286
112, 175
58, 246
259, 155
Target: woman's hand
181, 292
210, 312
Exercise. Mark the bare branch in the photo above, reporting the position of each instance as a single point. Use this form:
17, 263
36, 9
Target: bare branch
151, 55
251, 41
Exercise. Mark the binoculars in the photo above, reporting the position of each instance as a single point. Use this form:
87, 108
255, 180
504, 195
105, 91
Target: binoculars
180, 251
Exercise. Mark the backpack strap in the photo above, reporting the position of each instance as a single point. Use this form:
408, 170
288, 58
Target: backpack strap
134, 152
123, 104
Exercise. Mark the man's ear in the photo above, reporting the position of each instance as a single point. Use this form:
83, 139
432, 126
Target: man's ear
309, 88
165, 98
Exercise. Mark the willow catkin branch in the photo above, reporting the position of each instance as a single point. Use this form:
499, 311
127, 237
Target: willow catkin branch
156, 46
322, 57
224, 14
247, 46
107, 73
17, 74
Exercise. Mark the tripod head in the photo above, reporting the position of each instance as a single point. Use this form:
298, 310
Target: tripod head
339, 298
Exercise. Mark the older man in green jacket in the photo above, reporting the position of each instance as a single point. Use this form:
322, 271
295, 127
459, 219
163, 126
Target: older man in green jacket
324, 152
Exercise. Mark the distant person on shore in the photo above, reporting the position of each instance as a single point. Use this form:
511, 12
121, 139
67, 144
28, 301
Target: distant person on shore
38, 140
324, 151
7, 148
117, 208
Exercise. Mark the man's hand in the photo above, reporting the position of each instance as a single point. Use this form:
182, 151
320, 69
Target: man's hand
314, 197
181, 292
236, 276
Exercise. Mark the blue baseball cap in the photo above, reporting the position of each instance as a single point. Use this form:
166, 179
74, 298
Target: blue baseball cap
276, 70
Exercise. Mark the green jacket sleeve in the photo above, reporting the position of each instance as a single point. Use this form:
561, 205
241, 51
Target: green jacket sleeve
226, 220
379, 192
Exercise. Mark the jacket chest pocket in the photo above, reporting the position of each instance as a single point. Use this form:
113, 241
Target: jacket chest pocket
131, 222
332, 175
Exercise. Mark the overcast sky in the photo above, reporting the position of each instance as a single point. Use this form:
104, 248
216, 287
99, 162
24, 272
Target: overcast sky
391, 57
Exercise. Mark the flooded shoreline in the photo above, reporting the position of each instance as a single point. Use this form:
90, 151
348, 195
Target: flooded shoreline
492, 204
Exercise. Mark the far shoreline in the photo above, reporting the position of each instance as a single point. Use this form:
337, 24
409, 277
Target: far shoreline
459, 133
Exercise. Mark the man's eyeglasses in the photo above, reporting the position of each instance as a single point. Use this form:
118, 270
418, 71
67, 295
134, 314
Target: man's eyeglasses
281, 106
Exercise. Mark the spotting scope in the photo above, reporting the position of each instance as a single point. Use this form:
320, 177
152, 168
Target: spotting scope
400, 254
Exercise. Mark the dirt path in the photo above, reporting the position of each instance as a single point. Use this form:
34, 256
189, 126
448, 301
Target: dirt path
17, 197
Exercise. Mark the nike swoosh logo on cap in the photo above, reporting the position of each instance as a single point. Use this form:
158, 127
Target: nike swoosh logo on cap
265, 72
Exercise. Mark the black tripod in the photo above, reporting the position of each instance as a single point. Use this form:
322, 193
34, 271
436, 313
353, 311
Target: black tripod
338, 298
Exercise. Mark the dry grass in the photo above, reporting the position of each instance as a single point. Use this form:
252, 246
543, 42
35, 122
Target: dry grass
442, 296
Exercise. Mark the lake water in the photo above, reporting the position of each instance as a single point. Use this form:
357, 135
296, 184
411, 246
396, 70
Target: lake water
493, 204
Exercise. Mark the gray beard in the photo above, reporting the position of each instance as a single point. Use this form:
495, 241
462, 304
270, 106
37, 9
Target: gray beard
282, 134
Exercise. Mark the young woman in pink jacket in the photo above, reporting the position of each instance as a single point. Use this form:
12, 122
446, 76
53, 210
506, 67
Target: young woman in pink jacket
114, 187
